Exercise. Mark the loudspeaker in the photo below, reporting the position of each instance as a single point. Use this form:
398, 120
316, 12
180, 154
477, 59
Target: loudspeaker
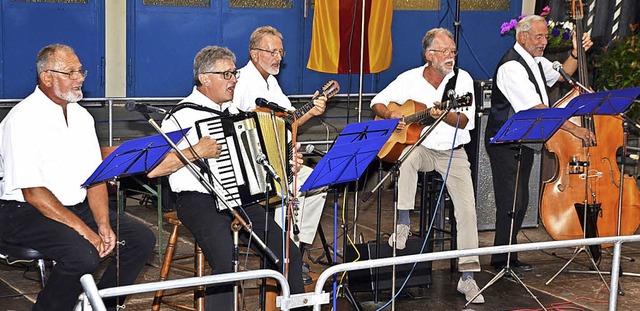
364, 280
481, 169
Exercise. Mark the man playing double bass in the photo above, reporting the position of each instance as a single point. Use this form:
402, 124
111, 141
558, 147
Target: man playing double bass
520, 82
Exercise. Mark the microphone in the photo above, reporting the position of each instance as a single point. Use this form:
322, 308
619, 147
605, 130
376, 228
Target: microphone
558, 67
261, 102
312, 149
143, 108
262, 160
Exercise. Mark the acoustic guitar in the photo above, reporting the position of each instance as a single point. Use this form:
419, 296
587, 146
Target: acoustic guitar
329, 89
413, 113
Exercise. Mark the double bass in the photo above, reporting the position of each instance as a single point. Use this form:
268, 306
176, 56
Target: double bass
588, 176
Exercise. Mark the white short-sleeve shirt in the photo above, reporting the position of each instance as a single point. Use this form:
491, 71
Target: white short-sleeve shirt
39, 148
251, 85
513, 80
183, 179
412, 85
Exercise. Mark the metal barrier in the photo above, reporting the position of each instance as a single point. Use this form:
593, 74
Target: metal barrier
376, 263
91, 299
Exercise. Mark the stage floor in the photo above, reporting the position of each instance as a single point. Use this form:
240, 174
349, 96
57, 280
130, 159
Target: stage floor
19, 283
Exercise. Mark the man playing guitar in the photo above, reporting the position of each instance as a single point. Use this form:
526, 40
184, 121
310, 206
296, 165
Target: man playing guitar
431, 84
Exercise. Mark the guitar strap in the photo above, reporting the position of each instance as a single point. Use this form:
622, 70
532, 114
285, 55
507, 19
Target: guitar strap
196, 107
451, 85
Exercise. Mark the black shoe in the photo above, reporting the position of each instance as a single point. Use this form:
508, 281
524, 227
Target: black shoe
306, 279
518, 273
522, 266
499, 267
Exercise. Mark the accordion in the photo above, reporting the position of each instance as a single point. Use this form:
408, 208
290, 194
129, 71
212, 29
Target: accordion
245, 137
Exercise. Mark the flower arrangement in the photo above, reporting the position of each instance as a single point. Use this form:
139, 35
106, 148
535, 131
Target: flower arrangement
559, 32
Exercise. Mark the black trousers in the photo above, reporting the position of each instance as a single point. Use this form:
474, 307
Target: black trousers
23, 224
504, 167
212, 231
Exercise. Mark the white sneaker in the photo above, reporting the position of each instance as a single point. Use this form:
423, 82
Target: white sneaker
469, 288
403, 234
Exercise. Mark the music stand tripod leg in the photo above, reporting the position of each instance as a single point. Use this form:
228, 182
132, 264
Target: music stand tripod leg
346, 292
507, 268
325, 245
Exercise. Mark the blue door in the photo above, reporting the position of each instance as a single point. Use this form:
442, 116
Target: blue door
26, 27
163, 40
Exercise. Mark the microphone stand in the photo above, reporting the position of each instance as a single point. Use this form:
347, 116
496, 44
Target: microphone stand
234, 214
394, 172
263, 262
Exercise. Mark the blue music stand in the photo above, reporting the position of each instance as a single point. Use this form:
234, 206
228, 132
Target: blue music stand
526, 127
348, 158
135, 156
605, 103
532, 126
351, 153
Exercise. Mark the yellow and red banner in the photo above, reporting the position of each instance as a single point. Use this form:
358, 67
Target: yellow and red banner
336, 34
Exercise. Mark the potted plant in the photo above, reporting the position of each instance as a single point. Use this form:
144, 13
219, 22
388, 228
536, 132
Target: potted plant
619, 67
559, 32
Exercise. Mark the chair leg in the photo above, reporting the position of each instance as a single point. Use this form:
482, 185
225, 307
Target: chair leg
164, 272
41, 266
199, 292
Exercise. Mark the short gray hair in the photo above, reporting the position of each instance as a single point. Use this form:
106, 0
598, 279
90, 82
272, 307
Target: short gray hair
207, 58
45, 56
260, 33
526, 23
427, 41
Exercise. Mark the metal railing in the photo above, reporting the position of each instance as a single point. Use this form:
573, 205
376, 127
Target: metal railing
92, 298
110, 102
377, 263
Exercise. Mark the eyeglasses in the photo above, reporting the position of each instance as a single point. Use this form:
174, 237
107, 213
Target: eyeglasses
73, 74
273, 52
227, 75
538, 37
446, 52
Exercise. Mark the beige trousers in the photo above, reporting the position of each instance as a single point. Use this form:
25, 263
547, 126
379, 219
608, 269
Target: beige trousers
460, 189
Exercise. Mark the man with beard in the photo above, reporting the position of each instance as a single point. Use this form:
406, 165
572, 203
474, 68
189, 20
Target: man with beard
519, 84
49, 148
442, 150
258, 81
215, 77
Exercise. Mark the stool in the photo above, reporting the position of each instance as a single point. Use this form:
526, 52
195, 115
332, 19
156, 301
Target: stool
198, 268
430, 185
20, 252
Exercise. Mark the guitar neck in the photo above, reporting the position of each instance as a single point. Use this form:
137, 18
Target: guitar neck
582, 57
420, 115
298, 113
416, 117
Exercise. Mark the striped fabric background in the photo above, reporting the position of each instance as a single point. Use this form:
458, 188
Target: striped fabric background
335, 41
